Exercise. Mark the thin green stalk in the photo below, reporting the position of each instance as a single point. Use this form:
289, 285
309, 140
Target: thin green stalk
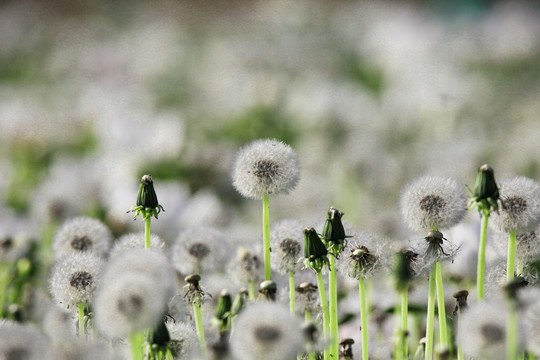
291, 291
326, 314
266, 237
440, 305
510, 261
430, 316
482, 256
168, 354
137, 343
199, 325
511, 335
404, 322
363, 317
332, 293
4, 284
251, 291
531, 356
460, 355
307, 315
82, 332
147, 231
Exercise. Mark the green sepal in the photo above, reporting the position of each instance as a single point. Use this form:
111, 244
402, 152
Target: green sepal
333, 234
147, 202
239, 302
315, 253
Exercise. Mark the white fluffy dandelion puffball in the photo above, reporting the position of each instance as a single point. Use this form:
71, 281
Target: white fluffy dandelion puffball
265, 167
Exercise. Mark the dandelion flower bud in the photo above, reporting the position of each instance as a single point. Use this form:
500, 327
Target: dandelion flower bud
432, 202
520, 212
286, 241
486, 192
75, 278
265, 167
82, 234
266, 331
147, 202
333, 231
481, 331
315, 252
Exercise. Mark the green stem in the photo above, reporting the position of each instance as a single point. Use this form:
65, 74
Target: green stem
510, 262
531, 356
199, 325
82, 332
482, 256
440, 305
404, 322
147, 231
332, 293
326, 314
266, 237
4, 285
460, 355
291, 291
511, 335
137, 343
168, 354
307, 315
363, 317
251, 291
430, 316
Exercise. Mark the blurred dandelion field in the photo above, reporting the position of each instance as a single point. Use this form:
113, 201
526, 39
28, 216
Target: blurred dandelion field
378, 103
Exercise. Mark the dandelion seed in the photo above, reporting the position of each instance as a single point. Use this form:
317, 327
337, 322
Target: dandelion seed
82, 234
265, 167
520, 210
75, 278
432, 203
266, 331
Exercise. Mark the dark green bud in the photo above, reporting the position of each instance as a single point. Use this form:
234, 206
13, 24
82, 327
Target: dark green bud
461, 301
313, 245
160, 336
147, 197
403, 270
224, 304
486, 192
512, 288
239, 301
333, 231
147, 202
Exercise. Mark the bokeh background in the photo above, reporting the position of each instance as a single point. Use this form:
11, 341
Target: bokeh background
371, 94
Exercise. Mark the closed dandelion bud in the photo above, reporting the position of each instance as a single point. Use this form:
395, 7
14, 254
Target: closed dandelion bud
147, 201
345, 349
160, 336
223, 311
404, 270
333, 231
486, 192
265, 167
239, 301
315, 252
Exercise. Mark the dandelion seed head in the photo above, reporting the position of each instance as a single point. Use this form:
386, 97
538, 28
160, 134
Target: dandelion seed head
75, 277
266, 331
520, 210
432, 202
136, 241
82, 234
246, 266
362, 256
527, 244
199, 250
265, 167
19, 342
287, 244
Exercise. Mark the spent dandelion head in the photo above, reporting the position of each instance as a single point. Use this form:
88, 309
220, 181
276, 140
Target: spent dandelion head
307, 296
432, 203
75, 278
485, 195
147, 202
405, 268
520, 211
286, 241
194, 293
246, 266
82, 234
434, 247
362, 256
266, 331
268, 290
265, 167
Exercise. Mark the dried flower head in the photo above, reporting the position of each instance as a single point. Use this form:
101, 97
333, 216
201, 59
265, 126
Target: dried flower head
520, 211
307, 295
82, 234
265, 167
246, 266
362, 256
266, 331
287, 244
434, 247
75, 278
432, 203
